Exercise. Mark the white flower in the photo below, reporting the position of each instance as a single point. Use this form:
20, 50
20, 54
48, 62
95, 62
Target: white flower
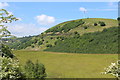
113, 64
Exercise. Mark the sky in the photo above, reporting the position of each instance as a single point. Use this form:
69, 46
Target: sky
36, 17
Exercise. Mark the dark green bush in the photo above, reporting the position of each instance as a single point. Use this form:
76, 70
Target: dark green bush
76, 32
32, 46
48, 45
46, 41
40, 43
51, 37
6, 51
118, 18
95, 24
102, 23
76, 35
34, 71
85, 27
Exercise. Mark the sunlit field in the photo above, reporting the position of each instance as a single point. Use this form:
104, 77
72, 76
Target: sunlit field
63, 65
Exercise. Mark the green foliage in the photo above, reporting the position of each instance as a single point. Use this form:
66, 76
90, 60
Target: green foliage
32, 46
46, 41
40, 43
75, 32
6, 51
35, 71
76, 35
65, 27
51, 37
118, 21
102, 23
85, 27
95, 24
5, 17
118, 18
10, 69
48, 45
35, 41
97, 42
21, 43
26, 42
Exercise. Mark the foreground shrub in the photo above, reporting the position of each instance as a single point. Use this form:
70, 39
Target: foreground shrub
113, 69
10, 69
6, 51
35, 71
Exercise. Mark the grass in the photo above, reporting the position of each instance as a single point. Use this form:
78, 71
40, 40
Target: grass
63, 65
90, 21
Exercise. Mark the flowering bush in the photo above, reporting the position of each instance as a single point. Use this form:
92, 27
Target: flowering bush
113, 69
10, 68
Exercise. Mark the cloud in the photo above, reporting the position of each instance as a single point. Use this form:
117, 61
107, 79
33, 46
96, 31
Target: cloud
45, 20
83, 9
21, 30
3, 4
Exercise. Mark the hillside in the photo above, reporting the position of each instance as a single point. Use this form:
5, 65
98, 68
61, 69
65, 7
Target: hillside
61, 32
97, 42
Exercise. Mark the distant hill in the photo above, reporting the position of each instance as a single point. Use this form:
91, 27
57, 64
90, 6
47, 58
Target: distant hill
61, 32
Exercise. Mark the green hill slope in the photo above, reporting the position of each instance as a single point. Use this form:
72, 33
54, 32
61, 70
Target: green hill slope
60, 32
97, 42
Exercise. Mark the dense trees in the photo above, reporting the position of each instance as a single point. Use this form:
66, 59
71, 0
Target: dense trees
97, 42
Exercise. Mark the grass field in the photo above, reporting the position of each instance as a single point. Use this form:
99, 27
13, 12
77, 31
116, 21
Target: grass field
63, 65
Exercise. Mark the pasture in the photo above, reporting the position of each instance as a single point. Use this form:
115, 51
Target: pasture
63, 65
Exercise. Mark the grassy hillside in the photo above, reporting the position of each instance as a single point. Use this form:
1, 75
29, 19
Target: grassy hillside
60, 32
97, 42
89, 23
62, 65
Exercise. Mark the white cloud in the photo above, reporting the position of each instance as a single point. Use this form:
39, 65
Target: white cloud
3, 4
83, 9
20, 30
45, 20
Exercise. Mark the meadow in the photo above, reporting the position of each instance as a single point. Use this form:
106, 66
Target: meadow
64, 65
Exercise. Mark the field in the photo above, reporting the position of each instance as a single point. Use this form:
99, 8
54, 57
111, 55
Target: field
63, 65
